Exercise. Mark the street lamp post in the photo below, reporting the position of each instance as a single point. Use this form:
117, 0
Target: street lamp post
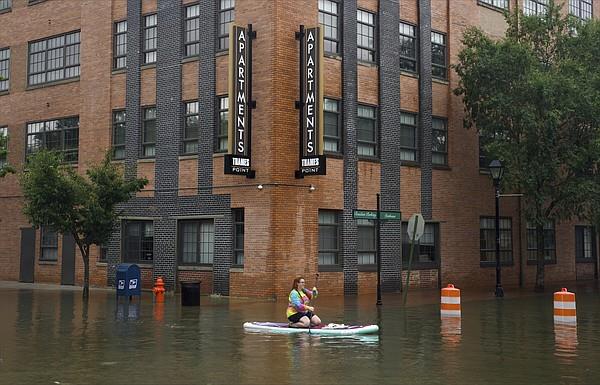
497, 171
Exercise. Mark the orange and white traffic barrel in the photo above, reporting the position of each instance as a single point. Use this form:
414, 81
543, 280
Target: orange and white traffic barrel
565, 311
450, 302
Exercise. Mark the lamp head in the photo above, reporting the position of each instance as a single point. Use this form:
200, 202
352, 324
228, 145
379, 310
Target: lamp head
260, 187
496, 169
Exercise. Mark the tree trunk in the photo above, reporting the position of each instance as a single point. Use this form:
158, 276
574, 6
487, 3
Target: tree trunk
539, 275
86, 273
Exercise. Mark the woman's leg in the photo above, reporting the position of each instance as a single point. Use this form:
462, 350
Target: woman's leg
303, 323
315, 320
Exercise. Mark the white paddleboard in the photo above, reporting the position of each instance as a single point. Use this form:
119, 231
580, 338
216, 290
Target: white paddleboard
329, 329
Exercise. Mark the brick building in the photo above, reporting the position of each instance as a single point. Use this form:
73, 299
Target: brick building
149, 79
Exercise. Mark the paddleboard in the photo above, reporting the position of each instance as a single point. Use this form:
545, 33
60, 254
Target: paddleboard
323, 329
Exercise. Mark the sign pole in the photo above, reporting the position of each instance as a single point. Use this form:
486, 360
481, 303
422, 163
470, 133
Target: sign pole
412, 247
378, 253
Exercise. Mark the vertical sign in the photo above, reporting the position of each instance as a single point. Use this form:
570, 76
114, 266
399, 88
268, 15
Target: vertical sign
238, 159
312, 161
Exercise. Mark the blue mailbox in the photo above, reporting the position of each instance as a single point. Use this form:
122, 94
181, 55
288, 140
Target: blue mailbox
128, 280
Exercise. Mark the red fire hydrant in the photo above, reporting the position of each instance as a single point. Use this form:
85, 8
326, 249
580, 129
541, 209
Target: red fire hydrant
159, 290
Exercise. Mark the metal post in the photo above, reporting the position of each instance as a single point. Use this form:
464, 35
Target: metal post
499, 290
378, 240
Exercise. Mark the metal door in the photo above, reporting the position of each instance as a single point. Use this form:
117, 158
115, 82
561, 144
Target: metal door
67, 276
27, 254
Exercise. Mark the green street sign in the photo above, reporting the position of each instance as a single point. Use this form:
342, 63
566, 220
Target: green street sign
364, 214
372, 214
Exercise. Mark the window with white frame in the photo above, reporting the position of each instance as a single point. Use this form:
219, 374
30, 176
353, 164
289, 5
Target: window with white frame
196, 242
192, 30
329, 237
487, 240
190, 128
329, 22
332, 137
54, 59
226, 17
5, 4
535, 7
120, 45
118, 134
138, 241
366, 131
581, 9
408, 47
61, 135
408, 137
439, 138
149, 132
496, 3
4, 68
150, 39
439, 65
585, 243
366, 249
223, 124
365, 36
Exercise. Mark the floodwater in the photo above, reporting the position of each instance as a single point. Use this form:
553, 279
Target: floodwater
47, 336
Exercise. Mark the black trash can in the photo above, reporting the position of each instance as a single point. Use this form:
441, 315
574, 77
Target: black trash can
190, 293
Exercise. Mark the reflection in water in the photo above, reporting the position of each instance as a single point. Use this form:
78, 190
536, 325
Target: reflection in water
565, 343
127, 311
451, 331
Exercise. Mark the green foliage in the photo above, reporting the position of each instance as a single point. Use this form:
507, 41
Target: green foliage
58, 197
536, 95
4, 168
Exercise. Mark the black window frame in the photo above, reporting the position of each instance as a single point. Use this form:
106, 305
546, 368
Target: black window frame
222, 126
144, 244
239, 232
191, 46
336, 226
405, 148
435, 151
147, 39
45, 234
506, 252
580, 244
415, 42
118, 124
190, 140
531, 242
226, 16
145, 144
102, 253
324, 14
366, 50
70, 154
444, 47
198, 243
496, 4
535, 7
421, 248
119, 41
327, 138
576, 9
368, 144
366, 225
4, 69
64, 68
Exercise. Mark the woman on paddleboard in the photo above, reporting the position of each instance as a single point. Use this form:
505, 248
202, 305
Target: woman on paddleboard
300, 314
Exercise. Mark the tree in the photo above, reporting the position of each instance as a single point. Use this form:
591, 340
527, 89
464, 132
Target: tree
85, 207
5, 168
535, 94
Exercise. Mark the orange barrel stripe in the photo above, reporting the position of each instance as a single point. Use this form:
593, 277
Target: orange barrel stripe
565, 311
450, 302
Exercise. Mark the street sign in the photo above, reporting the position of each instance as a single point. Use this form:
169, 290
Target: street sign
364, 214
372, 214
418, 231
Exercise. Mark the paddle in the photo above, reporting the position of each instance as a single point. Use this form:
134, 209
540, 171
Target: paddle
313, 294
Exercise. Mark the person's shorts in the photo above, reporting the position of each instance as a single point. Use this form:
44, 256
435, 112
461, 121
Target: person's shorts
296, 317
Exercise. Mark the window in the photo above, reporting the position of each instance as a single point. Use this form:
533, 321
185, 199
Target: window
426, 249
329, 237
5, 4
549, 243
365, 36
438, 55
487, 240
408, 47
408, 137
238, 236
485, 156
102, 253
54, 59
190, 128
366, 242
332, 125
118, 134
60, 135
329, 22
4, 68
150, 39
581, 9
149, 132
4, 147
496, 3
585, 243
223, 124
439, 137
192, 30
138, 241
366, 131
49, 246
535, 7
196, 242
226, 17
120, 48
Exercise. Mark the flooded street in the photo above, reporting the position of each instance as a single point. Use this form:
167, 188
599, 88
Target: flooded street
47, 336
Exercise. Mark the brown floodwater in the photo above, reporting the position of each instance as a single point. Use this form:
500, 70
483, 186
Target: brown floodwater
47, 336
